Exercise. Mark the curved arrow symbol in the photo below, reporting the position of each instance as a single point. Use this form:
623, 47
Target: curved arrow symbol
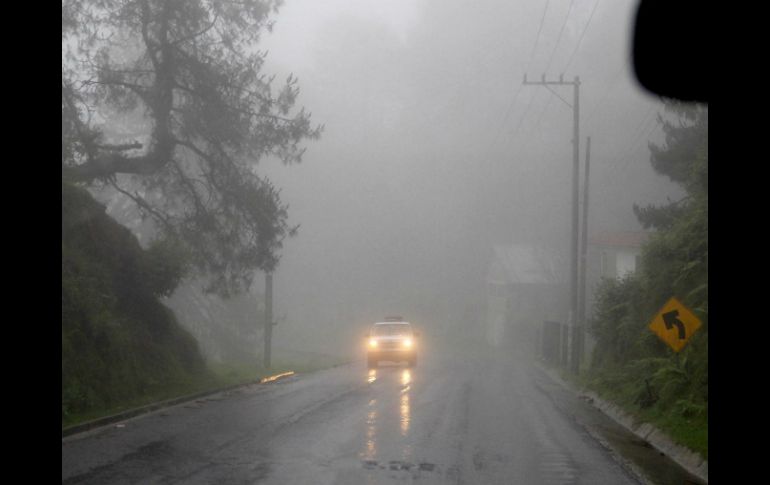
670, 319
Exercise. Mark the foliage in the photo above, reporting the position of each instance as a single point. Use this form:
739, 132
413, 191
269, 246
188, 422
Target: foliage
616, 322
165, 101
118, 341
227, 329
630, 364
166, 264
683, 158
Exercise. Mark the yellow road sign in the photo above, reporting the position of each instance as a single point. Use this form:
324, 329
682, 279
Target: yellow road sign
675, 324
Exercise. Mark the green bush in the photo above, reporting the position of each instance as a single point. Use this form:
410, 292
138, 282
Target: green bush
630, 364
118, 341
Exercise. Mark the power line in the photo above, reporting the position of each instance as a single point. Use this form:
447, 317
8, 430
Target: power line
502, 123
642, 130
540, 116
523, 116
607, 90
537, 123
529, 63
516, 95
641, 127
537, 38
616, 157
585, 29
645, 136
620, 159
526, 141
535, 126
627, 156
644, 127
642, 122
556, 46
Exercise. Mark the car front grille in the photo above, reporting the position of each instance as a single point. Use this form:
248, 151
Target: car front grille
390, 345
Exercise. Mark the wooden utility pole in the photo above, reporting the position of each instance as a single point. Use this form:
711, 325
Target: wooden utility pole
268, 335
581, 328
575, 202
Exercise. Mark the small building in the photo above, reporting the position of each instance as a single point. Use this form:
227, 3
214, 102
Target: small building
610, 255
614, 254
525, 286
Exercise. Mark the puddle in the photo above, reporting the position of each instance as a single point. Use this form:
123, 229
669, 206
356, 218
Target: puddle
398, 465
655, 465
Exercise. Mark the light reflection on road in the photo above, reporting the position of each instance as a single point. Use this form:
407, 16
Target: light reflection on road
388, 412
406, 379
371, 421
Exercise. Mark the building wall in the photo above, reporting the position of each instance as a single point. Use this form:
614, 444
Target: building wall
529, 307
607, 262
497, 303
625, 261
515, 312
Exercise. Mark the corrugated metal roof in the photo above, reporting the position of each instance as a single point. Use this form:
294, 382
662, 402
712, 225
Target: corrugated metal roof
528, 264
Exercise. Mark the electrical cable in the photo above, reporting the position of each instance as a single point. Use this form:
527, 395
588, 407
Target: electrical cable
585, 29
516, 95
558, 39
537, 38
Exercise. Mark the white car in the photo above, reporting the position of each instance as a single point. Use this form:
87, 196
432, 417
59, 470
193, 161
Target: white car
391, 340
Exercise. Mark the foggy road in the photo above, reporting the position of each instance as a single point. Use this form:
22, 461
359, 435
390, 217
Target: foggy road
449, 420
258, 182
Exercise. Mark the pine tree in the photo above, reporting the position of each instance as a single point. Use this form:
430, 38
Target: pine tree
165, 102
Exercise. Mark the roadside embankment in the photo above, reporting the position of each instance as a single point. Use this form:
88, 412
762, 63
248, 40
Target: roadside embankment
137, 411
684, 457
224, 377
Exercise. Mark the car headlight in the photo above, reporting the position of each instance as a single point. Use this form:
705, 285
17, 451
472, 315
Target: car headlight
372, 342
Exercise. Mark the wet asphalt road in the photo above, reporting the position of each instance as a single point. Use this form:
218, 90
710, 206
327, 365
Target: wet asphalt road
486, 419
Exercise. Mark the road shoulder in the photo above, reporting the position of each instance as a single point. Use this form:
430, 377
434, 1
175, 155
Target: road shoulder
682, 456
148, 408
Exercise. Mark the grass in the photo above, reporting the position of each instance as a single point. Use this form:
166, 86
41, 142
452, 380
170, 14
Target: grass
169, 391
218, 376
690, 432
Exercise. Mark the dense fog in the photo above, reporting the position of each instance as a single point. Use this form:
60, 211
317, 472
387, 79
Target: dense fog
434, 151
352, 242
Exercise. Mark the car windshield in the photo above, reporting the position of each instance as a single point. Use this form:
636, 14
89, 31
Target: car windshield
391, 329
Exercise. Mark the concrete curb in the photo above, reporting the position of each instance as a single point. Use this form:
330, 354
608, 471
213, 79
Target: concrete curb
131, 413
684, 457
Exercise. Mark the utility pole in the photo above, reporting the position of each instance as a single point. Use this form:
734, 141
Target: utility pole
583, 260
268, 318
575, 201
